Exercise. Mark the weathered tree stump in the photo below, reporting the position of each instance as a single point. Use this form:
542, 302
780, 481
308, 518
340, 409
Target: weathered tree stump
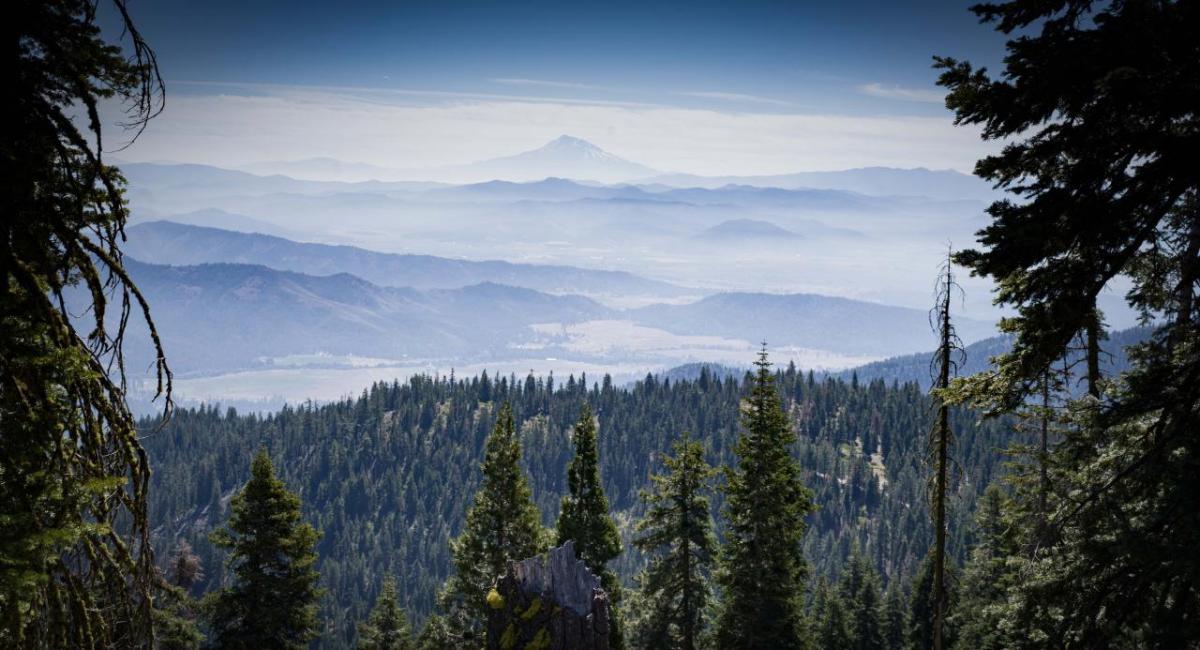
548, 602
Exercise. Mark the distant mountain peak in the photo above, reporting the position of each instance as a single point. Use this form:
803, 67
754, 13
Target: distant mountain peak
565, 141
568, 147
565, 157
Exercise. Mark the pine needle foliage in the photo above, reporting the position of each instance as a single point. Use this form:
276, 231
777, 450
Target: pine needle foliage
503, 524
677, 531
763, 573
585, 518
273, 600
1097, 107
387, 628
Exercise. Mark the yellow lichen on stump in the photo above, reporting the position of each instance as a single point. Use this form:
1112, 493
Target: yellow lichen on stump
494, 599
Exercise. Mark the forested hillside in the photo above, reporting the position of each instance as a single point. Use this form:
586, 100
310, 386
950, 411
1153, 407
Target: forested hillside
386, 478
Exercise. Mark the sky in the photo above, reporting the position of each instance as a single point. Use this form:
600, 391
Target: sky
710, 88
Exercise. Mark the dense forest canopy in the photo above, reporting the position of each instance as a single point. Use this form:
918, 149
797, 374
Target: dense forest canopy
387, 477
1062, 495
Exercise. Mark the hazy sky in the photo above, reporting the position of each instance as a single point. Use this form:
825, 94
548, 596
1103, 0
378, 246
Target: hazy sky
725, 88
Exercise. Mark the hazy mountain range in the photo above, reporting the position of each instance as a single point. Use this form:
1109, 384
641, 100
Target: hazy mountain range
165, 242
276, 277
574, 158
237, 301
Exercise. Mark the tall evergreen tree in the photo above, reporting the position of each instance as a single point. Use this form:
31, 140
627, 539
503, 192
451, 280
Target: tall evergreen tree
980, 616
387, 628
273, 600
503, 524
763, 570
585, 517
859, 591
895, 617
77, 567
677, 531
1096, 104
832, 627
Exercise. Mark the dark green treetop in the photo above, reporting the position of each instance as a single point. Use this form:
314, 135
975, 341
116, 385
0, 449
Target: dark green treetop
763, 571
677, 530
584, 516
861, 596
272, 602
1098, 104
387, 628
503, 524
832, 627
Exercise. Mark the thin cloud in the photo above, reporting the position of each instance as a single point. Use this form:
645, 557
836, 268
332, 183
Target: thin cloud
361, 92
902, 94
735, 97
511, 81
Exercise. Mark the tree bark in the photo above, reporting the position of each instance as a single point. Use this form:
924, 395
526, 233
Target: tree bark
548, 602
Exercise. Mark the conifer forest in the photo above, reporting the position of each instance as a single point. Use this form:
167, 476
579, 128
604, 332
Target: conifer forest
940, 389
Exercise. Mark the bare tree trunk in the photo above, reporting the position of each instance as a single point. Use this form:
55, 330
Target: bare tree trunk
1093, 353
941, 442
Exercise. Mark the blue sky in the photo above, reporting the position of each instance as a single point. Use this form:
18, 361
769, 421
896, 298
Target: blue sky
848, 60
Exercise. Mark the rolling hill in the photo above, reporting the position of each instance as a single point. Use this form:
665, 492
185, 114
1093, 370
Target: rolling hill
165, 242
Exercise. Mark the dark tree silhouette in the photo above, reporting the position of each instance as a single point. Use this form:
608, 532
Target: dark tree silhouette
78, 568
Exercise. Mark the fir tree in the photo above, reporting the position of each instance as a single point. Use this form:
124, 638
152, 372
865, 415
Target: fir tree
1100, 157
584, 516
763, 570
859, 591
174, 608
387, 628
186, 567
273, 600
831, 624
677, 531
980, 616
895, 617
503, 524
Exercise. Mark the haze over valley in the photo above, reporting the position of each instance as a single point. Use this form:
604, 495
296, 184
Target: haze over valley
269, 287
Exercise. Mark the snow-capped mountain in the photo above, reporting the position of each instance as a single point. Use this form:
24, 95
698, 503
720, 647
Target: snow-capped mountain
563, 157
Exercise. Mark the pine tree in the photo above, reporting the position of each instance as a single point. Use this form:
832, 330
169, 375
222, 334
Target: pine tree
584, 515
677, 531
859, 591
1100, 158
503, 524
831, 623
895, 617
186, 567
763, 570
387, 628
980, 616
273, 599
